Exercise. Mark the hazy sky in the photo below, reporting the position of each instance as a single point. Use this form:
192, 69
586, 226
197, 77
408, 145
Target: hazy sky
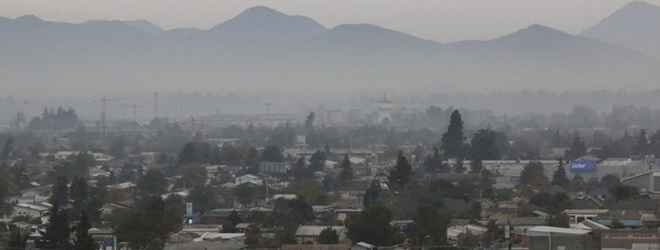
440, 20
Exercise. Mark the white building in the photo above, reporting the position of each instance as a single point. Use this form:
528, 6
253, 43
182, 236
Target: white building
29, 210
249, 178
385, 110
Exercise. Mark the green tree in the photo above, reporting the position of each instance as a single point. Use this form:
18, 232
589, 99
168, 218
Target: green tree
229, 226
346, 171
252, 160
203, 199
301, 171
654, 145
317, 160
623, 192
79, 191
245, 194
6, 186
577, 149
476, 166
60, 191
195, 175
92, 206
642, 146
559, 220
484, 145
57, 231
7, 149
291, 213
458, 166
83, 240
559, 178
17, 239
373, 226
148, 227
272, 154
328, 183
117, 148
429, 227
434, 162
20, 177
531, 172
309, 121
372, 195
453, 140
328, 236
400, 174
253, 235
152, 182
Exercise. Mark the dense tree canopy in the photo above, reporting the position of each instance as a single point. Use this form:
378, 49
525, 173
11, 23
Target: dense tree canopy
484, 145
453, 140
400, 174
373, 226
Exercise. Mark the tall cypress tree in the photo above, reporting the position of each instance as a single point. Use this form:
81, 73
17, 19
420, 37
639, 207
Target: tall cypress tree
453, 139
79, 191
559, 178
372, 195
60, 191
83, 240
434, 162
578, 148
642, 146
57, 231
346, 171
401, 173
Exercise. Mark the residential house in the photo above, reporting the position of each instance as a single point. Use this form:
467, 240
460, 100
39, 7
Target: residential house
249, 178
42, 191
29, 210
557, 238
647, 182
578, 215
354, 188
486, 205
308, 234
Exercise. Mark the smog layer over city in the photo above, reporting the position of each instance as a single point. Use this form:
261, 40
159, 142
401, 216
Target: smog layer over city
330, 124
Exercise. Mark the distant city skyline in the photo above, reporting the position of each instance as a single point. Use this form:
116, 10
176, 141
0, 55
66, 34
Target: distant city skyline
438, 20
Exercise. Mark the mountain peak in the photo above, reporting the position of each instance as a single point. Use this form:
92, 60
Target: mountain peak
261, 10
536, 32
637, 12
29, 18
639, 5
636, 26
264, 21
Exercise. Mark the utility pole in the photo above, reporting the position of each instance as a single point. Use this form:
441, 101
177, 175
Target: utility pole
156, 104
268, 113
103, 114
103, 119
134, 115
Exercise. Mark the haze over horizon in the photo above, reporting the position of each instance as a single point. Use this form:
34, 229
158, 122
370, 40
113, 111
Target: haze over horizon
298, 61
441, 21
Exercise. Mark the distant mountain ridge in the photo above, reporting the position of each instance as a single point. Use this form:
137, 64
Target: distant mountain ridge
141, 24
263, 49
636, 26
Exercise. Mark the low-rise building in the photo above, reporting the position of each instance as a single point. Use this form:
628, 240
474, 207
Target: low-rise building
29, 210
307, 234
557, 238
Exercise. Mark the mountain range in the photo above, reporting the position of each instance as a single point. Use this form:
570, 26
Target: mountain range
636, 26
264, 50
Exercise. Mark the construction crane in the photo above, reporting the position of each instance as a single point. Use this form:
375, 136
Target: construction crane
103, 100
134, 106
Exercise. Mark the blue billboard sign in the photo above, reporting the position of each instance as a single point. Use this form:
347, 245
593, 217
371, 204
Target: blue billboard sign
583, 166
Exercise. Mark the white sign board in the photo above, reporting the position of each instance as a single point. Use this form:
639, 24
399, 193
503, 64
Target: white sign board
189, 210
